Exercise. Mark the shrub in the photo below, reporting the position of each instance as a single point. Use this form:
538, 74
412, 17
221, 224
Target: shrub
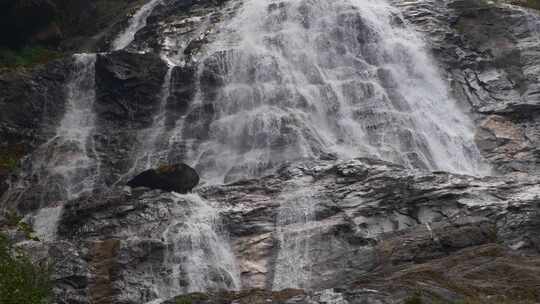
22, 281
193, 298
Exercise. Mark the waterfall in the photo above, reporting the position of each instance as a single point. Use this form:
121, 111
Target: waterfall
199, 257
75, 158
155, 155
137, 22
294, 222
71, 155
67, 165
45, 223
306, 79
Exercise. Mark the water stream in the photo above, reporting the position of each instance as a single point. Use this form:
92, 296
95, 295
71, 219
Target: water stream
295, 223
137, 22
199, 257
67, 165
306, 79
281, 81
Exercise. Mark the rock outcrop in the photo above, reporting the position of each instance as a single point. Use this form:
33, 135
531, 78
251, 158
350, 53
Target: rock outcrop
491, 56
30, 109
375, 230
324, 231
179, 178
70, 25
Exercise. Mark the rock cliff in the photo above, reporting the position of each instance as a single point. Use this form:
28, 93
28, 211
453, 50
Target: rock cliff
290, 220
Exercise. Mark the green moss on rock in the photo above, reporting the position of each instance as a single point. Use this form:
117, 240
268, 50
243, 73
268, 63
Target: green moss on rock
194, 298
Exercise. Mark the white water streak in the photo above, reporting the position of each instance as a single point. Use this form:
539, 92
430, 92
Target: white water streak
137, 22
151, 153
45, 223
77, 162
199, 256
294, 225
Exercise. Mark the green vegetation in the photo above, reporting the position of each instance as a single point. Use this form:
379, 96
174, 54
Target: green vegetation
26, 57
193, 298
530, 3
9, 156
414, 299
22, 281
184, 301
15, 221
8, 162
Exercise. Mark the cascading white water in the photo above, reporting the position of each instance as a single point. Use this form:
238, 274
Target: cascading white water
45, 223
72, 153
76, 159
199, 258
67, 165
137, 22
307, 78
294, 223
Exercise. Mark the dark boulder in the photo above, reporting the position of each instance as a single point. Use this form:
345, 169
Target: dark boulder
179, 178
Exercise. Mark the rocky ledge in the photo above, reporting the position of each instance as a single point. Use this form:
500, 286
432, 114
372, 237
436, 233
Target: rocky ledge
358, 231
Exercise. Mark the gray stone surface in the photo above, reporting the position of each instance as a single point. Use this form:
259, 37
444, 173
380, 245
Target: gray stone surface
374, 232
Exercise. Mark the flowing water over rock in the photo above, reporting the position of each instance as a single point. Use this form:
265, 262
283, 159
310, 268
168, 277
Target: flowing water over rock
79, 165
66, 165
137, 22
308, 79
152, 152
260, 85
45, 223
198, 257
294, 225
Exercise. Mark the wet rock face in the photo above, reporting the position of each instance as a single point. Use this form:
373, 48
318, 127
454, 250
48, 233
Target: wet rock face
490, 53
122, 98
179, 178
128, 92
30, 109
340, 232
128, 87
31, 103
372, 228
